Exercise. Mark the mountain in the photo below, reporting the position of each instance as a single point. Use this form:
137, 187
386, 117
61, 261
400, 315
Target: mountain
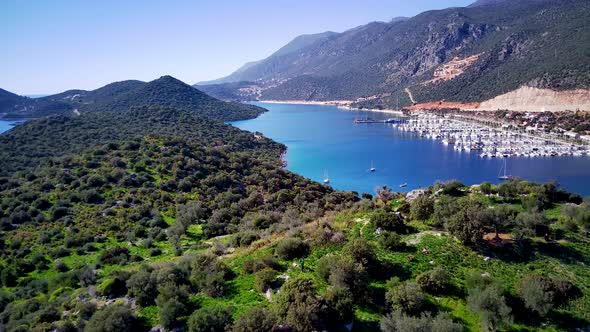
9, 100
467, 54
254, 70
119, 96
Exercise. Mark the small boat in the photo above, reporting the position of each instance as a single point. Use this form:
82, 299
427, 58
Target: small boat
326, 178
372, 169
504, 177
403, 185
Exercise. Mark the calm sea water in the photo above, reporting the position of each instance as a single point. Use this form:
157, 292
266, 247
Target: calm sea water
6, 125
324, 138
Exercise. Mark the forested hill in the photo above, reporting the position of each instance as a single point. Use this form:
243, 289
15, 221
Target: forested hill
63, 135
493, 47
119, 96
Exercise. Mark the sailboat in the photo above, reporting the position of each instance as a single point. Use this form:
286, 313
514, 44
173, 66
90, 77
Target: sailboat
505, 176
326, 178
372, 169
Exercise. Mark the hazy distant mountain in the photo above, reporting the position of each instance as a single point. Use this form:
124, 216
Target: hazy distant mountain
9, 100
485, 3
253, 70
463, 54
119, 96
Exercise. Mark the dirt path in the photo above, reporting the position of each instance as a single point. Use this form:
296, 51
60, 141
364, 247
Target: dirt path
410, 95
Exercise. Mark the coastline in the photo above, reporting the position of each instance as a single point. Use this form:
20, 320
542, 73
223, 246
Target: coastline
341, 104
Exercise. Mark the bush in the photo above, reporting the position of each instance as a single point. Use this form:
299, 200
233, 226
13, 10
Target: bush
388, 220
422, 208
117, 255
340, 307
113, 318
397, 321
406, 297
210, 319
298, 305
391, 241
362, 252
265, 279
256, 320
490, 304
541, 294
291, 248
155, 252
436, 281
255, 265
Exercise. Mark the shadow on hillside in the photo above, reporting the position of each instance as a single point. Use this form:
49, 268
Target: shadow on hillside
565, 254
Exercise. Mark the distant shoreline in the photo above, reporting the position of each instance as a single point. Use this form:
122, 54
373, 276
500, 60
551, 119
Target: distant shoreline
341, 104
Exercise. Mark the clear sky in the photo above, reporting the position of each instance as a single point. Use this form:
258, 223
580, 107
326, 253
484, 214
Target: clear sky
51, 46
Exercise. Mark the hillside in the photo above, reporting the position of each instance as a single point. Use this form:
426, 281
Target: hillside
170, 92
159, 218
256, 69
536, 43
119, 96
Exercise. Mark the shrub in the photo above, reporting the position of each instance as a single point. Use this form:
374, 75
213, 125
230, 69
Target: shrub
406, 297
490, 304
155, 252
436, 281
210, 319
391, 241
421, 208
117, 255
362, 252
340, 307
388, 220
291, 248
113, 318
541, 294
256, 320
265, 279
299, 306
397, 321
61, 266
255, 265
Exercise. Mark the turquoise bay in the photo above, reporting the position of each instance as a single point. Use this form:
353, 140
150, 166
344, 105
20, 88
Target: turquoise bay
324, 138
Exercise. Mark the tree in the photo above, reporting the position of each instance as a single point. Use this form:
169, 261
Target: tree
265, 278
291, 248
299, 306
436, 281
362, 252
422, 208
214, 318
490, 304
529, 224
391, 241
256, 320
388, 220
113, 318
340, 306
406, 297
500, 217
467, 224
397, 321
541, 294
536, 294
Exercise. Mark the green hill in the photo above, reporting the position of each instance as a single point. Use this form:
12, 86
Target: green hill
163, 92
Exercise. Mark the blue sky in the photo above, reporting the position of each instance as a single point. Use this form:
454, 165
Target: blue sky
52, 46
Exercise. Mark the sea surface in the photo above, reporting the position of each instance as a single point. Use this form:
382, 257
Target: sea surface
324, 139
6, 125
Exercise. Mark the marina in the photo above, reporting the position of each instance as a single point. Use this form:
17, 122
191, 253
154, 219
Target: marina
487, 142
